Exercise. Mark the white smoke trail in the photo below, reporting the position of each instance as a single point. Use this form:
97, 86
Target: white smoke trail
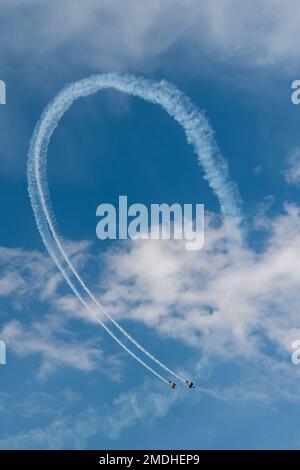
47, 238
198, 133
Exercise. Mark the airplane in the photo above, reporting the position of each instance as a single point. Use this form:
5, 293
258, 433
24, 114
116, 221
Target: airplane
190, 384
173, 385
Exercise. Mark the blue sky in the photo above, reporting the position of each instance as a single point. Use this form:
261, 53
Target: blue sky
66, 384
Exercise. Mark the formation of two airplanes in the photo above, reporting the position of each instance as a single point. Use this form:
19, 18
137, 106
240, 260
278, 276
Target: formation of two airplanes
189, 384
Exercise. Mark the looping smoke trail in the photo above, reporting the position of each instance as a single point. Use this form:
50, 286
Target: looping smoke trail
198, 133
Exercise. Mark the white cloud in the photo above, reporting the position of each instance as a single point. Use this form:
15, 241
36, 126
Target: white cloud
121, 34
225, 300
10, 282
29, 283
41, 338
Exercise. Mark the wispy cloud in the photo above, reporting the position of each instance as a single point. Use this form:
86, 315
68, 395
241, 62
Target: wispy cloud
74, 431
61, 433
30, 283
134, 407
259, 383
42, 338
120, 34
